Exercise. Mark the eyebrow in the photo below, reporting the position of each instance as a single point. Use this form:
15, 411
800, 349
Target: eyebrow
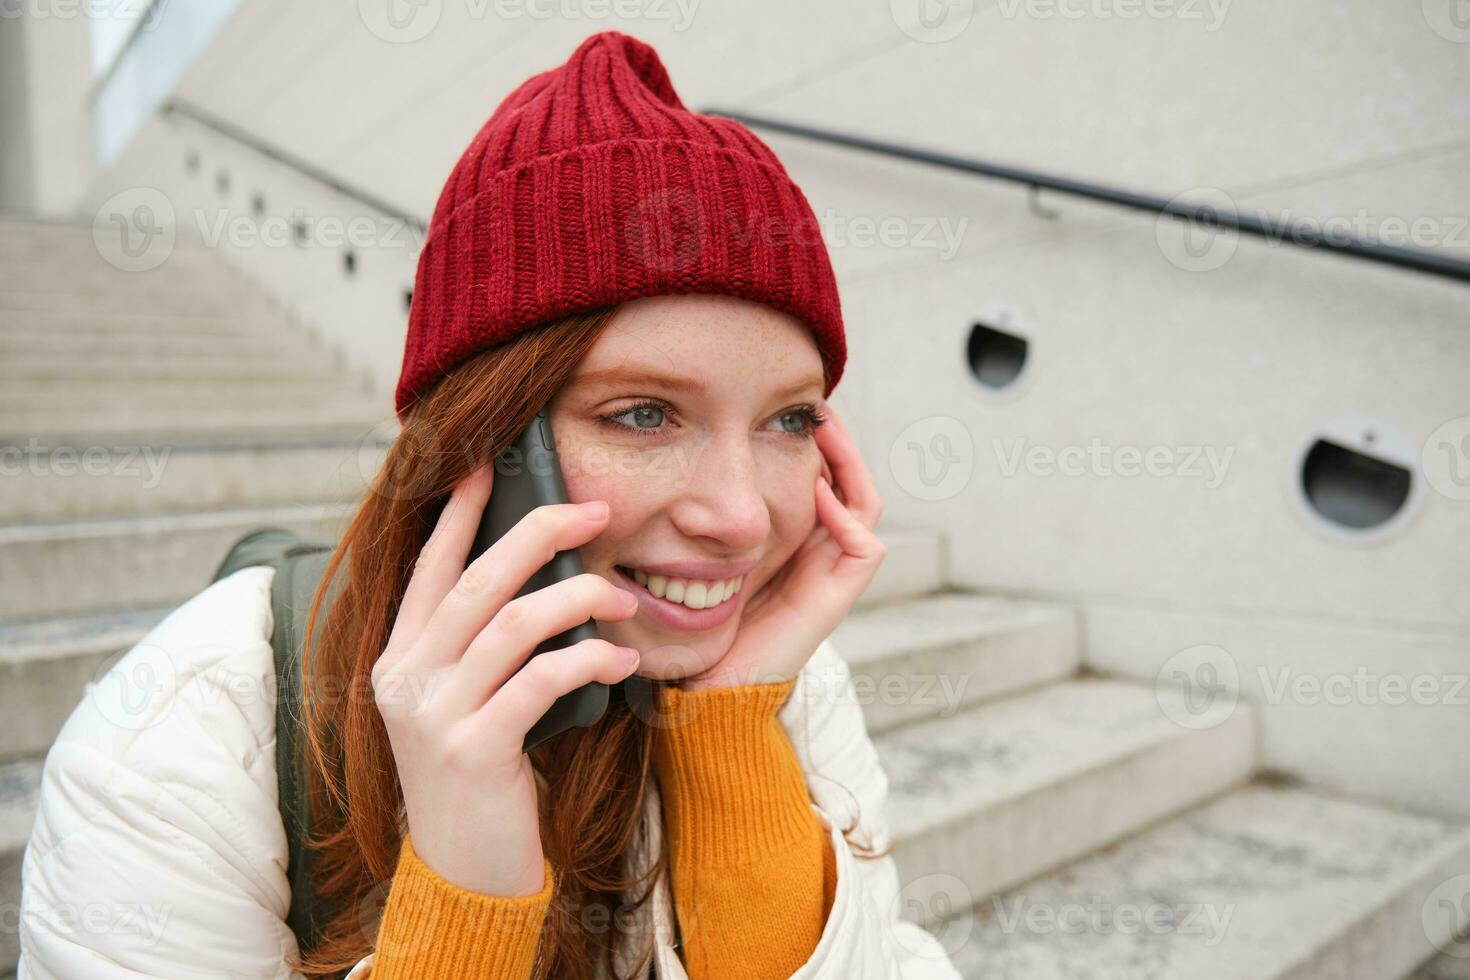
675, 382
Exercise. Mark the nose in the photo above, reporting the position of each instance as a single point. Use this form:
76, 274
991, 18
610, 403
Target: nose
723, 499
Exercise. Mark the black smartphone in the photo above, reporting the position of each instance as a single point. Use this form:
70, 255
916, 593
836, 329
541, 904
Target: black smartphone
527, 475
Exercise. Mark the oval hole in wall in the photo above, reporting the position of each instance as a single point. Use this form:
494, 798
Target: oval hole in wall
349, 262
222, 181
407, 300
1353, 488
997, 357
1356, 479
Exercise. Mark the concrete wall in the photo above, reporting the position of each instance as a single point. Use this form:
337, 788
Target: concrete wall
1238, 352
45, 139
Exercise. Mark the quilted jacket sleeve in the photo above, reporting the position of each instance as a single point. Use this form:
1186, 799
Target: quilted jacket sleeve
157, 849
865, 934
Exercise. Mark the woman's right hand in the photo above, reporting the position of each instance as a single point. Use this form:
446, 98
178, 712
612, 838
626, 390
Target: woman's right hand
456, 700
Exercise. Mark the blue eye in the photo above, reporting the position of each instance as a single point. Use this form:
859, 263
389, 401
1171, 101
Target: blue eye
644, 412
806, 420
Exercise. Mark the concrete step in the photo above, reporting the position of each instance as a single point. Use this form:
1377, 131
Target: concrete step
26, 400
913, 566
20, 781
102, 279
87, 263
1265, 883
931, 656
123, 425
46, 666
182, 302
30, 329
995, 795
1453, 965
144, 480
83, 567
136, 364
25, 235
78, 434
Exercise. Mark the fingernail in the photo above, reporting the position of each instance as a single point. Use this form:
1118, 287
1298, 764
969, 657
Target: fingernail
595, 509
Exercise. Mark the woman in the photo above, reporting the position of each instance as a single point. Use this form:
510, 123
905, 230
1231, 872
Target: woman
655, 278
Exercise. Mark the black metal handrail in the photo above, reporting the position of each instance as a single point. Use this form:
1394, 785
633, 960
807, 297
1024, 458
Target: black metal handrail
1270, 228
230, 130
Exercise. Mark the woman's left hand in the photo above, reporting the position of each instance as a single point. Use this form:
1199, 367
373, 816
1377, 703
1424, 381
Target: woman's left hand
783, 624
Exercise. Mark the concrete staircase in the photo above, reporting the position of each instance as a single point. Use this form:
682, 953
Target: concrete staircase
1024, 791
1050, 824
146, 421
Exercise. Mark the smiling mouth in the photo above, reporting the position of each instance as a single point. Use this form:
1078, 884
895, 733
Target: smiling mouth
691, 593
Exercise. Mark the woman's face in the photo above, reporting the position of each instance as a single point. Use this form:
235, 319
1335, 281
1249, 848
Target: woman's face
688, 417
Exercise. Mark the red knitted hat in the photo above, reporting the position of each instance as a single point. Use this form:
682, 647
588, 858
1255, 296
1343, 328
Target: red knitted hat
591, 184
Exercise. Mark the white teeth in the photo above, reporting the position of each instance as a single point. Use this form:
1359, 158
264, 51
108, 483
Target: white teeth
694, 593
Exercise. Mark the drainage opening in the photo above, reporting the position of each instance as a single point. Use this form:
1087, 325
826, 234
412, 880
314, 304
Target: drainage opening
1352, 489
996, 357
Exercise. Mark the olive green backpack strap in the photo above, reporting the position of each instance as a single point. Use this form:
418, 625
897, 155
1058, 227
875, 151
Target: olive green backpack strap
299, 566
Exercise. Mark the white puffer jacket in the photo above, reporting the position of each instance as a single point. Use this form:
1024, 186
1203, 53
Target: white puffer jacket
158, 849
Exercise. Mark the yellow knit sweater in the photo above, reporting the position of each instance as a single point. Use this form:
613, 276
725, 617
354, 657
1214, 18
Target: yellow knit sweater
752, 868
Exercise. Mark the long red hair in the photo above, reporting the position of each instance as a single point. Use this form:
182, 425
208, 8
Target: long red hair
595, 777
